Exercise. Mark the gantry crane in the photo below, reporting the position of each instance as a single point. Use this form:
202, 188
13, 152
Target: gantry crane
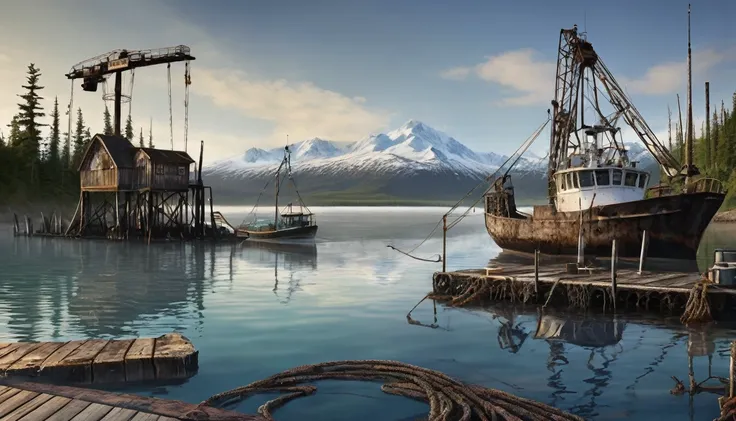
94, 70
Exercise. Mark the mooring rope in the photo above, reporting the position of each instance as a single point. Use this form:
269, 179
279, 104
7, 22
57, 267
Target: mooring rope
438, 259
697, 309
448, 399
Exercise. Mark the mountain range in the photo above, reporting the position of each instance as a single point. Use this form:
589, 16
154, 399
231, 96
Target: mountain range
414, 163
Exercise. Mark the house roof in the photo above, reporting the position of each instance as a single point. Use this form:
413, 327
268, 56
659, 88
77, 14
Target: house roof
167, 156
120, 149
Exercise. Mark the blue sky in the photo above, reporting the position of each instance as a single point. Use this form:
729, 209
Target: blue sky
343, 69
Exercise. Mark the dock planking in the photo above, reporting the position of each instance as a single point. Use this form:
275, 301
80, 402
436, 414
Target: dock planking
38, 402
665, 291
168, 357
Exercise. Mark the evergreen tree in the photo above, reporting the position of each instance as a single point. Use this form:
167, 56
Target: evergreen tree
129, 129
28, 118
14, 139
78, 140
55, 137
150, 136
66, 151
140, 139
108, 122
87, 137
2, 140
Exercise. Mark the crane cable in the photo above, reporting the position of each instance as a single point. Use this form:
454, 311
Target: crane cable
171, 115
187, 82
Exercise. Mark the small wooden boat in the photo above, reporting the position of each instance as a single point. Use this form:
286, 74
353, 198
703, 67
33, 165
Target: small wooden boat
293, 222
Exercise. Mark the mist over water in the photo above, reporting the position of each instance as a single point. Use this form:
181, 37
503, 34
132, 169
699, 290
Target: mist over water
254, 309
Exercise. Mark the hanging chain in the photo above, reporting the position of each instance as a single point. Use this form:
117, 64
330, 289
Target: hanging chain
171, 115
187, 82
130, 101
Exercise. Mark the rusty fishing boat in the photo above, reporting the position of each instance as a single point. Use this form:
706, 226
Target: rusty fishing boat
596, 193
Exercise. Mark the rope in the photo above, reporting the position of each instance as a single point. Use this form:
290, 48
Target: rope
697, 309
171, 114
438, 259
187, 82
448, 398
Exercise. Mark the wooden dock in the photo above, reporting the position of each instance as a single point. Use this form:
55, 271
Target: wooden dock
599, 287
38, 402
168, 357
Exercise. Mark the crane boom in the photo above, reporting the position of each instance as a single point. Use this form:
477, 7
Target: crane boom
94, 70
576, 61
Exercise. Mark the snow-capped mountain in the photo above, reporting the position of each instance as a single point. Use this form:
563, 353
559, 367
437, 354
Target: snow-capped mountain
414, 160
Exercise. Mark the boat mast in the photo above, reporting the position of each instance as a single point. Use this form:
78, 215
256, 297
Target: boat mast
689, 145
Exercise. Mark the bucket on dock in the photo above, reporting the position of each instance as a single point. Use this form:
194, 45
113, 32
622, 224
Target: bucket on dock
723, 271
724, 255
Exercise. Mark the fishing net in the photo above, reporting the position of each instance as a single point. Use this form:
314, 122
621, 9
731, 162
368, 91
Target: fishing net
448, 399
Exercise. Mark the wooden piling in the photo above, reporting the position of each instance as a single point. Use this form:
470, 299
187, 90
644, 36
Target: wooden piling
536, 271
444, 242
644, 247
732, 371
614, 256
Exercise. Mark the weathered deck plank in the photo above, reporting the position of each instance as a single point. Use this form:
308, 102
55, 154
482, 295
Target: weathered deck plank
139, 360
169, 357
39, 402
109, 365
173, 356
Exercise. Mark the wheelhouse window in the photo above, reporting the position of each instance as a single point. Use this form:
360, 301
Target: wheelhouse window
616, 177
642, 181
603, 177
570, 183
586, 179
574, 177
630, 179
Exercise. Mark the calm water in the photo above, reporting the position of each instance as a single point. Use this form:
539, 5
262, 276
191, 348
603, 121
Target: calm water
253, 311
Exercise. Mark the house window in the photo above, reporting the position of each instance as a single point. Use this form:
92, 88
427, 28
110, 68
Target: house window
642, 181
159, 170
182, 171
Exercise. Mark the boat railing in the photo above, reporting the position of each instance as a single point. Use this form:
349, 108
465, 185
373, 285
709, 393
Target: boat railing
706, 185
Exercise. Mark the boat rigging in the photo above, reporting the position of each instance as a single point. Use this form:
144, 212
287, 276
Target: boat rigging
290, 222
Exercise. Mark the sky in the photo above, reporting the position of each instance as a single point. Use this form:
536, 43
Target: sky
481, 71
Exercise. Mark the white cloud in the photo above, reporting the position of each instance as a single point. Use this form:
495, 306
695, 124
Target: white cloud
299, 109
531, 78
668, 78
521, 70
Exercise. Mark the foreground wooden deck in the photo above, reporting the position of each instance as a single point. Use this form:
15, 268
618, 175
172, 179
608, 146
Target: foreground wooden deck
38, 402
168, 357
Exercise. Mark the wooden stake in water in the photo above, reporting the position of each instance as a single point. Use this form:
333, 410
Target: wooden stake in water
536, 271
644, 246
614, 255
444, 243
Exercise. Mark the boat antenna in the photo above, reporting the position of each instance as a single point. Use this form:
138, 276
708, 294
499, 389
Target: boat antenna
689, 145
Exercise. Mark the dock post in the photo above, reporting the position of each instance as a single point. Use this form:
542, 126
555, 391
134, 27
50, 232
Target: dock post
614, 255
536, 271
644, 247
731, 371
444, 243
581, 247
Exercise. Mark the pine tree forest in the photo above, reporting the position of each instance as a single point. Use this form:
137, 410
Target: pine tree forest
38, 168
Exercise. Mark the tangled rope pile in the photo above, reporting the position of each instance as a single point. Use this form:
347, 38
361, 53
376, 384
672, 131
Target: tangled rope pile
448, 399
697, 309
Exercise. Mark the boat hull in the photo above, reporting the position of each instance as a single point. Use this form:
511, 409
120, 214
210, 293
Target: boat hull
675, 224
288, 233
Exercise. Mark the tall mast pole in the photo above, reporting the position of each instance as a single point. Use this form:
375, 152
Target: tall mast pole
689, 147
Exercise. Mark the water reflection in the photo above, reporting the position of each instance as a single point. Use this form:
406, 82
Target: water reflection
293, 256
99, 289
587, 355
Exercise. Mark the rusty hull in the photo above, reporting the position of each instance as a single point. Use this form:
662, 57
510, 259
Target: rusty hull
675, 225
